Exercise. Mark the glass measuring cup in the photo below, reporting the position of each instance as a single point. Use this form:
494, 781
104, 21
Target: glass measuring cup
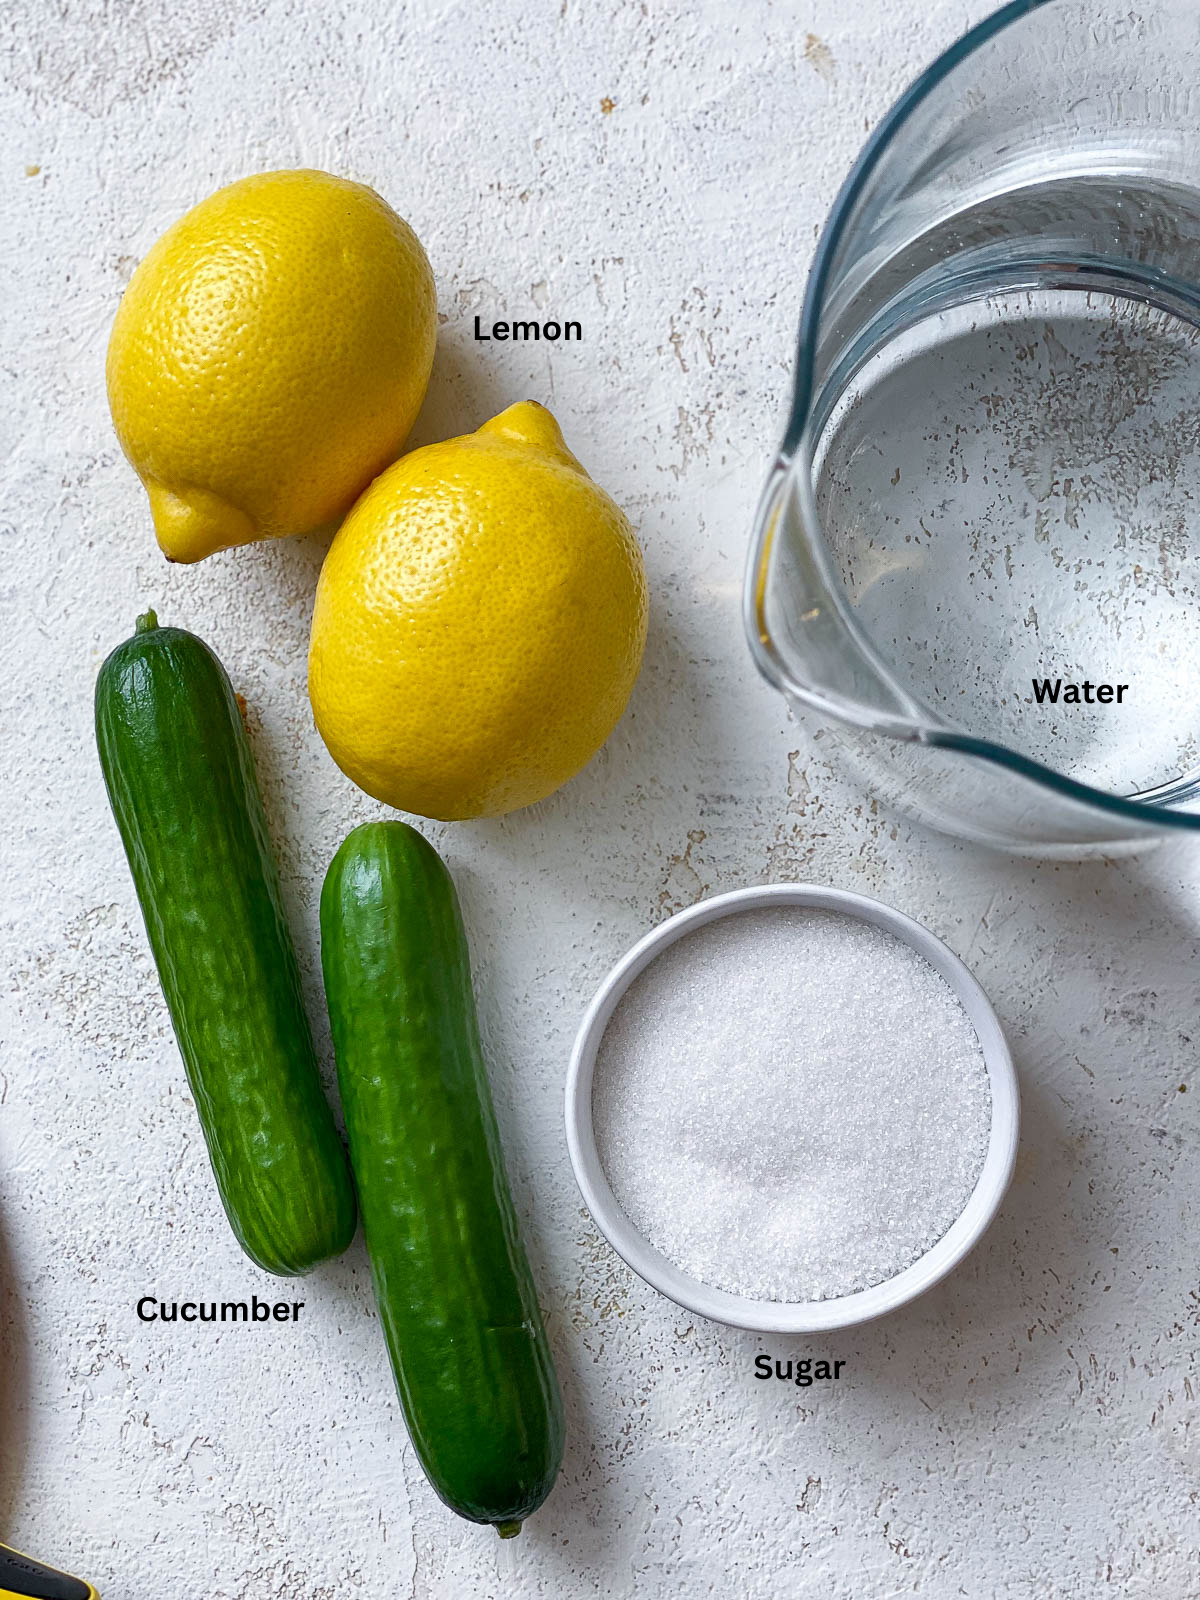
978, 552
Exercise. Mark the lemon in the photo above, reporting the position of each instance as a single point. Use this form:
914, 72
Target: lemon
269, 357
479, 623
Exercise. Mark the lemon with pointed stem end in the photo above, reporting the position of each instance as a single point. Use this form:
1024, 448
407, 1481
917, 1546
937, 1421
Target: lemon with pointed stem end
269, 357
479, 623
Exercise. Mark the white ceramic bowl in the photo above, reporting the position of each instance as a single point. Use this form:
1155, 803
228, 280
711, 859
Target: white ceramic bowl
773, 1316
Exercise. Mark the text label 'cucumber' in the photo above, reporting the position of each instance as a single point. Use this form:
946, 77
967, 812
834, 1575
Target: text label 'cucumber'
530, 330
151, 1310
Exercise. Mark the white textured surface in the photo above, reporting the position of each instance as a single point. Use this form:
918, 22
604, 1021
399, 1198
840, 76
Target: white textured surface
1027, 1429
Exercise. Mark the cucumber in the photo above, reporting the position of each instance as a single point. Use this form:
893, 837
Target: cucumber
181, 782
456, 1297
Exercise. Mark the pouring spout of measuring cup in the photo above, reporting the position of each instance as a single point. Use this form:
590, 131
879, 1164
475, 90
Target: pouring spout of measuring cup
802, 633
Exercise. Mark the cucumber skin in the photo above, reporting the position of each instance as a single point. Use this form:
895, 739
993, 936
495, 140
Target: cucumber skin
456, 1297
180, 779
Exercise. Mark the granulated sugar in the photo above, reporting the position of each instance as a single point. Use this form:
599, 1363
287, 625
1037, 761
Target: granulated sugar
791, 1104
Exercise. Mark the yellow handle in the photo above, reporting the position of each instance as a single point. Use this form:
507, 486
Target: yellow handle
23, 1578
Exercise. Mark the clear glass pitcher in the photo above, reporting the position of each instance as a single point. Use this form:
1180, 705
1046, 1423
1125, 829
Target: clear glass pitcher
978, 552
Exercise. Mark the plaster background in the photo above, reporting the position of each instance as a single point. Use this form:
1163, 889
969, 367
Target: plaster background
658, 173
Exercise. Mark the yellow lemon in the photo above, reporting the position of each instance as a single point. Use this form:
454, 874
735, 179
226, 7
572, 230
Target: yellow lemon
479, 623
269, 358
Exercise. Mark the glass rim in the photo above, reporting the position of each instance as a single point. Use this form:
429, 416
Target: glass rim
865, 163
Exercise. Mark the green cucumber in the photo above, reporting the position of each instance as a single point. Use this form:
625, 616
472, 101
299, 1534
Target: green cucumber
456, 1297
181, 782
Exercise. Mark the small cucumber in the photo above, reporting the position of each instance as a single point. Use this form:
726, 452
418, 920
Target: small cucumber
181, 782
456, 1296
